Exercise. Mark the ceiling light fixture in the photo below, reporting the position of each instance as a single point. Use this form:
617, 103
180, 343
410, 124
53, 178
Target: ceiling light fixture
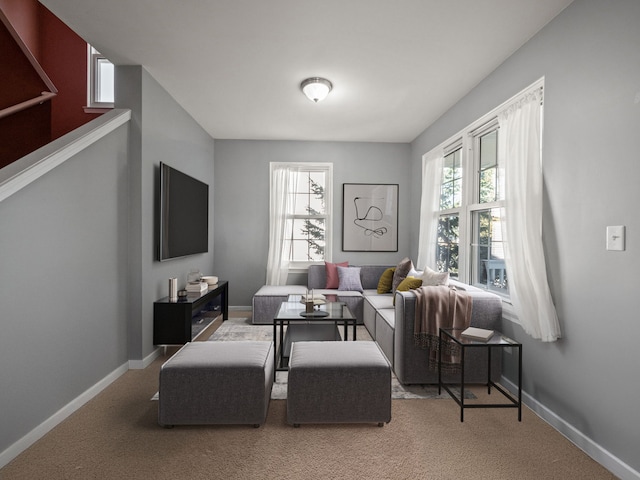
315, 88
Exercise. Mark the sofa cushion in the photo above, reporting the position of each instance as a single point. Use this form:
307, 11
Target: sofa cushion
334, 295
349, 279
401, 272
380, 301
332, 273
280, 290
386, 280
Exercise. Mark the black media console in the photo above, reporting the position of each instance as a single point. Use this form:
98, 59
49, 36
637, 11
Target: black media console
176, 322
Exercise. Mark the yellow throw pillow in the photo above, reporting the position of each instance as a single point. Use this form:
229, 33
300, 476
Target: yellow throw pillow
384, 284
409, 283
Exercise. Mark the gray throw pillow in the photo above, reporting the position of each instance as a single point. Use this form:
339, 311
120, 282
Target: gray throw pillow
349, 278
402, 270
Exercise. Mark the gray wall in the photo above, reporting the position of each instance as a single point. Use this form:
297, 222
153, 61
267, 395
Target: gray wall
241, 196
590, 58
78, 266
161, 131
63, 289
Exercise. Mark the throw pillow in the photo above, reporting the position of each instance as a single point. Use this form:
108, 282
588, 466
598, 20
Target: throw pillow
332, 273
401, 272
415, 273
409, 283
386, 279
349, 279
431, 277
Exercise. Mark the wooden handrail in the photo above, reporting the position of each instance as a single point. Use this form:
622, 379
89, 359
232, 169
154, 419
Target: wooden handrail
43, 97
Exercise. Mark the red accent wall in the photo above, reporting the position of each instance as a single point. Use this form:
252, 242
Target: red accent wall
29, 129
64, 58
23, 15
62, 54
19, 81
24, 132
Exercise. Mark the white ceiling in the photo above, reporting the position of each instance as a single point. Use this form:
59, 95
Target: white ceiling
236, 65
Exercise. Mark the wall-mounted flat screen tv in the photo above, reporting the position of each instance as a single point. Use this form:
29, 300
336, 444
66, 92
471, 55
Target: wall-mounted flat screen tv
184, 214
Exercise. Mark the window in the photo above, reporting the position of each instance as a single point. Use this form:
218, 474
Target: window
100, 86
488, 269
481, 210
299, 217
470, 216
470, 207
447, 248
307, 235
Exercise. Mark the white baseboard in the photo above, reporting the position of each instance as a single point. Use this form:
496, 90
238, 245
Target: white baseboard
145, 362
586, 444
37, 433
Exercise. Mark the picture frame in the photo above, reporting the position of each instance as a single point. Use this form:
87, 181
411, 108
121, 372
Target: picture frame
370, 217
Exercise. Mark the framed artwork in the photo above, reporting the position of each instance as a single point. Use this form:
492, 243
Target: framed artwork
370, 217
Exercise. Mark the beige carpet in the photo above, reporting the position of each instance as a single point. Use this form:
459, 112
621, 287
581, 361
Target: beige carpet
115, 436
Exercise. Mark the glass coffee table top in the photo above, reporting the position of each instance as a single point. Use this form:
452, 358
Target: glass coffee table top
293, 323
294, 309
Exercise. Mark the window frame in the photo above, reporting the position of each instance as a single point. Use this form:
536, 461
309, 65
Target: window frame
469, 145
468, 139
456, 145
327, 168
93, 82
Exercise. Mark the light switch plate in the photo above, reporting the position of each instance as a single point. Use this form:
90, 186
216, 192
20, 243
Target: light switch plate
615, 237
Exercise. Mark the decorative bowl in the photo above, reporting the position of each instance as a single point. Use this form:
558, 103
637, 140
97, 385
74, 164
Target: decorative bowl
211, 280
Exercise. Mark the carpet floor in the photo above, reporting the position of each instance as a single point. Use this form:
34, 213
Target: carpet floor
116, 436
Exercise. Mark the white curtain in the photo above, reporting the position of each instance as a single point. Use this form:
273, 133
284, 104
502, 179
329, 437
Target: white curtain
432, 164
519, 153
281, 207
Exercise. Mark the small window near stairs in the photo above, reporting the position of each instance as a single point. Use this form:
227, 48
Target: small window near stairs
100, 81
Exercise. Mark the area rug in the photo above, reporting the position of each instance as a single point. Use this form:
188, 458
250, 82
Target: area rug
238, 329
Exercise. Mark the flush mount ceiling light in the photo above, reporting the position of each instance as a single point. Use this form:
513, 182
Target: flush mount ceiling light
315, 88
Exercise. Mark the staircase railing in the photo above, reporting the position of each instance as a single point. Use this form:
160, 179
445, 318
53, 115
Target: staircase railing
43, 97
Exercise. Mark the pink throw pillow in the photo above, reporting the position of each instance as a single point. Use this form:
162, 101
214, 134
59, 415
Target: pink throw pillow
333, 281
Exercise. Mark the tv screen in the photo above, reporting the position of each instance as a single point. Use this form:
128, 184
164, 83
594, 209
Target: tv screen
184, 214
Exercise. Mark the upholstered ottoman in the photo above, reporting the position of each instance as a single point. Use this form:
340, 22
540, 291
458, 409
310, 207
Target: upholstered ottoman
267, 300
216, 383
338, 382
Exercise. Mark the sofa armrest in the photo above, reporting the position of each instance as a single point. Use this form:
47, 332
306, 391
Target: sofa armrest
410, 360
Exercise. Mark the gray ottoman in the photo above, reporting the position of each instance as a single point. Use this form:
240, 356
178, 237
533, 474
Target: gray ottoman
216, 383
338, 382
267, 300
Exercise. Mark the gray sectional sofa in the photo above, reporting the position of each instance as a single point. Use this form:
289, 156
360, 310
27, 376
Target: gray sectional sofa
391, 326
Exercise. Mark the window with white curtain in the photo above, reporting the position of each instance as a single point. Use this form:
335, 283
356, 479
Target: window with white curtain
300, 217
485, 228
469, 241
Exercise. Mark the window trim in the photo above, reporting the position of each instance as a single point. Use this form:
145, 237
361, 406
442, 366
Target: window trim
93, 106
465, 139
299, 267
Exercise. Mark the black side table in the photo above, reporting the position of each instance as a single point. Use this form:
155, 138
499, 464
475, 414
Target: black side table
497, 342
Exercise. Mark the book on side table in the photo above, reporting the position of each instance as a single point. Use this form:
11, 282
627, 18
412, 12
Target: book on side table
475, 333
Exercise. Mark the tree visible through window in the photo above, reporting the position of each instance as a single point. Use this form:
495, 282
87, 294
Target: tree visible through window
471, 206
447, 249
308, 235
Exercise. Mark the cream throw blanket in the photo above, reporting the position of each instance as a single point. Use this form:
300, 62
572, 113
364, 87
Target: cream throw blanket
440, 307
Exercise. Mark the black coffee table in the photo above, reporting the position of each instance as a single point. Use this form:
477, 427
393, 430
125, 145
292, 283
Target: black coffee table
320, 325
